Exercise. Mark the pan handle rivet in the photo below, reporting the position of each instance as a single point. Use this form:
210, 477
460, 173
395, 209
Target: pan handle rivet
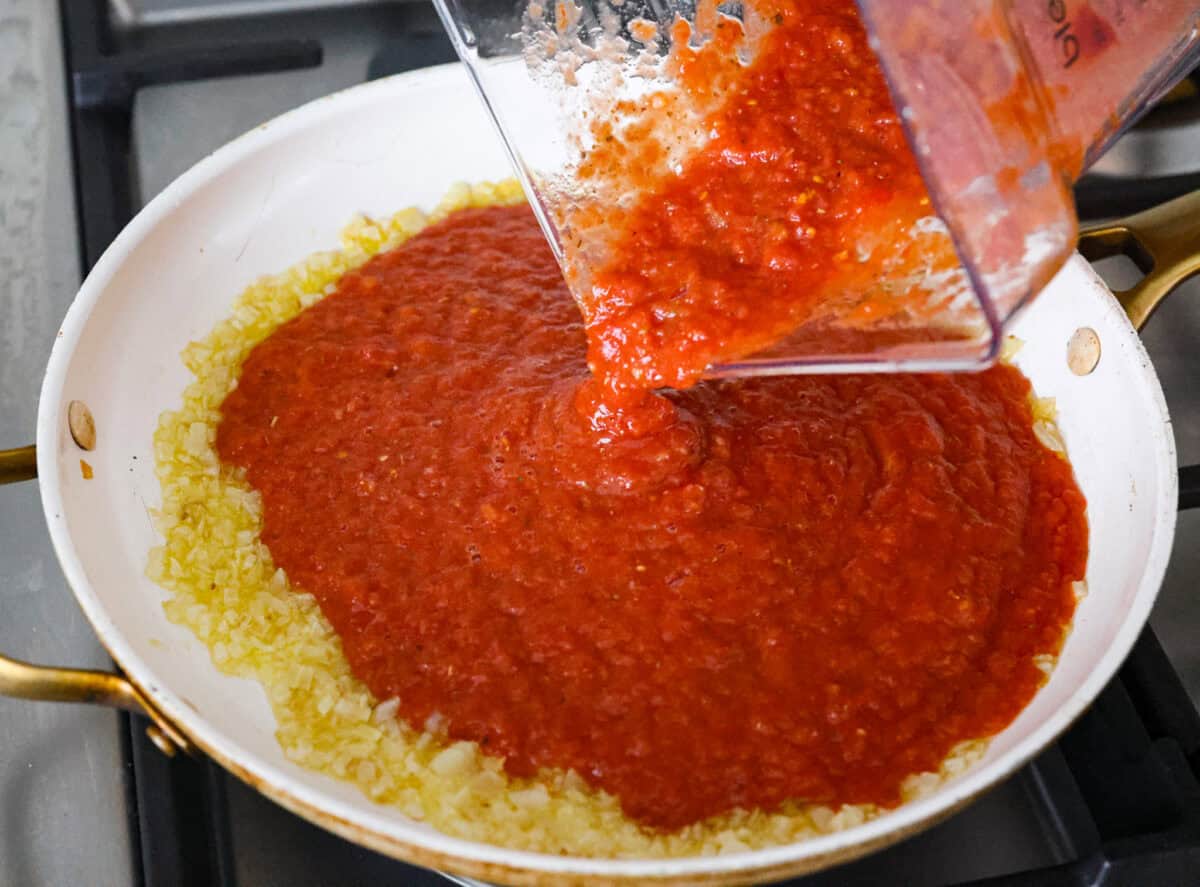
1083, 351
161, 740
81, 424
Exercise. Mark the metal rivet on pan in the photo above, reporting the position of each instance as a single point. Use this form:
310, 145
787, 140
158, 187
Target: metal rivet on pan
1083, 351
83, 427
161, 740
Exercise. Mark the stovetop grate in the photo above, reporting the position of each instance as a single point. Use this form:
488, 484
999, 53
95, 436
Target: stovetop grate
1117, 796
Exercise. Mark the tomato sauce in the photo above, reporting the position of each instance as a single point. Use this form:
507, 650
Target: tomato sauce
796, 588
760, 229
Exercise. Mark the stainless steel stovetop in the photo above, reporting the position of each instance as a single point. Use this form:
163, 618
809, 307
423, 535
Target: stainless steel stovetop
63, 770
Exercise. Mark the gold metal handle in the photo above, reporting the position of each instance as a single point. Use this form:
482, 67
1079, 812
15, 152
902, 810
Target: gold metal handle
25, 681
18, 464
1164, 243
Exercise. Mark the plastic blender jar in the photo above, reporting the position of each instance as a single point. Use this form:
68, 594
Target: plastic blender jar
1005, 104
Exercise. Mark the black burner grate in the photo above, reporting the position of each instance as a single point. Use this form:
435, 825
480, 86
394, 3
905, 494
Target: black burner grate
1117, 796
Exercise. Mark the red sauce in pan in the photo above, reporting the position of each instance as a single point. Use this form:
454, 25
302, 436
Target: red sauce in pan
798, 588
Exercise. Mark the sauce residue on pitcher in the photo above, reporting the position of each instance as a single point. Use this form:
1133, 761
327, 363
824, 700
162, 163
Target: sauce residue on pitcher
803, 169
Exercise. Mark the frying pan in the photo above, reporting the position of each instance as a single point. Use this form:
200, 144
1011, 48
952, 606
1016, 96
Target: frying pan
283, 191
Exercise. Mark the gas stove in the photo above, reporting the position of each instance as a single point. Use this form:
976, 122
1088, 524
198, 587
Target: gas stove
101, 105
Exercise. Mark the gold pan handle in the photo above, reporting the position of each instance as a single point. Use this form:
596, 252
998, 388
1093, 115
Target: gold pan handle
1164, 243
25, 681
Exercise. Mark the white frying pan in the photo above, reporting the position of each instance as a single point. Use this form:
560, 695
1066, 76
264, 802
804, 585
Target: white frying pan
282, 192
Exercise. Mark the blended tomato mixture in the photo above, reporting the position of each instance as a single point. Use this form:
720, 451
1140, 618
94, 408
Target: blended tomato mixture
800, 588
805, 160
